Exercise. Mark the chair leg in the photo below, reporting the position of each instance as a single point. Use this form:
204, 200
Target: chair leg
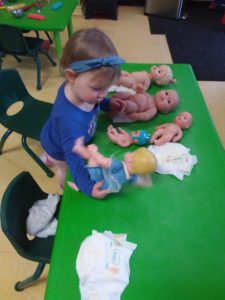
17, 58
21, 285
49, 37
1, 60
36, 158
3, 139
49, 57
38, 63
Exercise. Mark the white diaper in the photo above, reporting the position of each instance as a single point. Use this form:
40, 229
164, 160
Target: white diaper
103, 265
41, 216
174, 159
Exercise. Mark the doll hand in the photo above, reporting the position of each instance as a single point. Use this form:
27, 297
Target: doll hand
97, 193
116, 105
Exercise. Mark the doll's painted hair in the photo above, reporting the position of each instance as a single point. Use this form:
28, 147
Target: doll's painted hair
144, 162
88, 44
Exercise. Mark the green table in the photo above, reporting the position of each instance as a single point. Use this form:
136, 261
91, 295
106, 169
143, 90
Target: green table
179, 226
55, 20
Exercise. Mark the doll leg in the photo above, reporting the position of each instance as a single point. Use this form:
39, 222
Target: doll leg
130, 106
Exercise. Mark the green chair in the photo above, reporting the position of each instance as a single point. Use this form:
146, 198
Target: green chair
29, 120
14, 43
18, 197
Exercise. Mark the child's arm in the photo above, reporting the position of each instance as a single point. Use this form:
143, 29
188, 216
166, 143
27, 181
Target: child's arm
69, 132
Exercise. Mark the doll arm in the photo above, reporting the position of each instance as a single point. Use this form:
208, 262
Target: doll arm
91, 154
143, 116
178, 135
124, 73
97, 158
162, 126
158, 138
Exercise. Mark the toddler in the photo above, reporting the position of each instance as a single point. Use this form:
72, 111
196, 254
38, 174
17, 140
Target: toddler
91, 65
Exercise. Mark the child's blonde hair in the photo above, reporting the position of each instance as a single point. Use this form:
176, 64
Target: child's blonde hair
87, 44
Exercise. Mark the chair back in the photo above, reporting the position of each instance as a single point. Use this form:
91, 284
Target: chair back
12, 40
29, 119
19, 196
12, 90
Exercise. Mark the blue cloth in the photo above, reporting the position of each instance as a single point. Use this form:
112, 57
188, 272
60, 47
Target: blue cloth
114, 177
65, 124
142, 139
85, 65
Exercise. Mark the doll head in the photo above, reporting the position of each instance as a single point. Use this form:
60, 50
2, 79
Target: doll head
183, 120
166, 100
162, 75
140, 137
141, 161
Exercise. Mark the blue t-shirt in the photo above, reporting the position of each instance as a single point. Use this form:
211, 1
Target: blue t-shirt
66, 123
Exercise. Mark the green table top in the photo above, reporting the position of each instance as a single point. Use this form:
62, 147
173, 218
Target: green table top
179, 226
55, 20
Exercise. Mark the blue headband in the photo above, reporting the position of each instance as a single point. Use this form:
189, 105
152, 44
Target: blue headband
85, 65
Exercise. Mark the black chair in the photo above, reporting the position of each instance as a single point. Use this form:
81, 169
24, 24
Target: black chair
12, 42
29, 120
48, 35
18, 197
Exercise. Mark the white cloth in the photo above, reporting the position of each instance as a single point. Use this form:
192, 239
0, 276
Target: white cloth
174, 159
41, 215
102, 265
50, 229
121, 88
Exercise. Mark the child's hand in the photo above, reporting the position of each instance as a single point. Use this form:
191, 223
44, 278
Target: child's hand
97, 193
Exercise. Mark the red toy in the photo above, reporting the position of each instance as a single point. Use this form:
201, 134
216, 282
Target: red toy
36, 17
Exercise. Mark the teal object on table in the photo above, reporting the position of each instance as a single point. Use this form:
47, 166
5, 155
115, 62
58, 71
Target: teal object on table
179, 226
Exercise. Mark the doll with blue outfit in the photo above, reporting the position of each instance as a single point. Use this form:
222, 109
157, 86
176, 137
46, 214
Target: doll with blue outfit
112, 172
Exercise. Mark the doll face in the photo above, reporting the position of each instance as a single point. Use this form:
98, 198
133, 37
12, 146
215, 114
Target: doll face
158, 72
166, 100
183, 120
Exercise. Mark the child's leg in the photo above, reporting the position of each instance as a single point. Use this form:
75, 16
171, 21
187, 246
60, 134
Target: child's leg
46, 159
61, 168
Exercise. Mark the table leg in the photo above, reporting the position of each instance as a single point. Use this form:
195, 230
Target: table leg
58, 43
70, 28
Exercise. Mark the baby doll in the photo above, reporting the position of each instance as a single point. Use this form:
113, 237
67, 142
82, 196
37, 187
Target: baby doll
124, 139
142, 106
114, 173
161, 75
171, 132
134, 80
